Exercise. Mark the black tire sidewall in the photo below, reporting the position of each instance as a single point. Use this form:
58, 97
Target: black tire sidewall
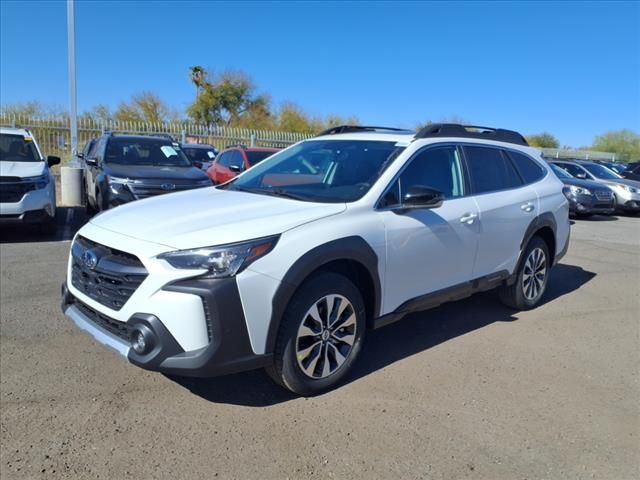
310, 292
536, 242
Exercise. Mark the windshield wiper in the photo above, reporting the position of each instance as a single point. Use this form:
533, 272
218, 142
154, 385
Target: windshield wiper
270, 191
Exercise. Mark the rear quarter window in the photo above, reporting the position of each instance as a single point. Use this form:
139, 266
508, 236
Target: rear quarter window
529, 169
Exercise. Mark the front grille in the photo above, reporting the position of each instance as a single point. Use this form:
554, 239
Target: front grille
119, 329
114, 278
151, 189
12, 189
603, 195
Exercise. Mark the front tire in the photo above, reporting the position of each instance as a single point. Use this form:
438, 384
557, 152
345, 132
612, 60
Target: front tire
532, 277
321, 335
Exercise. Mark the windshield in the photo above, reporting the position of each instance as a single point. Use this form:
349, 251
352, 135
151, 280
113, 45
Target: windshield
256, 157
599, 171
145, 151
199, 154
560, 173
16, 148
332, 171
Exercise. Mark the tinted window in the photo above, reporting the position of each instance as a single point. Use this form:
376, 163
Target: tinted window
560, 173
599, 171
257, 157
145, 151
571, 168
529, 169
15, 148
490, 170
224, 159
236, 159
199, 154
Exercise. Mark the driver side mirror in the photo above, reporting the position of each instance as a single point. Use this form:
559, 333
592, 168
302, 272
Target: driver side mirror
91, 161
420, 196
235, 168
53, 160
581, 175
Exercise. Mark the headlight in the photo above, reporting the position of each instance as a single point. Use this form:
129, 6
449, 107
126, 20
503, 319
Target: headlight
220, 262
116, 184
41, 181
579, 190
626, 188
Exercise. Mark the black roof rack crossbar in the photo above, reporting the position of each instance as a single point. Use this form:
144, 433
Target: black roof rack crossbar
471, 131
359, 128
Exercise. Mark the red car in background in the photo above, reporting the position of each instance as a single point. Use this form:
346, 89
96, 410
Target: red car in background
235, 159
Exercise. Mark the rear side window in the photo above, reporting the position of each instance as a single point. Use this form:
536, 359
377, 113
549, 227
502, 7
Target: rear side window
490, 170
529, 169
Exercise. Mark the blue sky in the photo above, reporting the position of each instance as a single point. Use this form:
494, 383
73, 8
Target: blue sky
569, 68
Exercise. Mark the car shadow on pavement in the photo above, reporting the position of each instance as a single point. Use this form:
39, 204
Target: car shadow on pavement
68, 222
413, 334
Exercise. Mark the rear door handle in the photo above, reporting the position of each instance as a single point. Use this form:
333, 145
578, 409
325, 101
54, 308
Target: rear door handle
527, 207
468, 218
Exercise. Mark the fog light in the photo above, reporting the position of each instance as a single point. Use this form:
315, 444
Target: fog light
141, 340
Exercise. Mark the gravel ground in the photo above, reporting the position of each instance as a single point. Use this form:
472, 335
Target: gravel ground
468, 390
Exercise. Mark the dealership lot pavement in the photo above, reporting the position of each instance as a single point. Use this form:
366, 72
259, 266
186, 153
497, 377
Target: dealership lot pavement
468, 390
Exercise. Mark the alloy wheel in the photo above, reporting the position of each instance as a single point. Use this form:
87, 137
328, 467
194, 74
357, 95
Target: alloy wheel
535, 274
326, 336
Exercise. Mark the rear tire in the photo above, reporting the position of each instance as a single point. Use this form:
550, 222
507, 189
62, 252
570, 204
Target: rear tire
321, 334
531, 277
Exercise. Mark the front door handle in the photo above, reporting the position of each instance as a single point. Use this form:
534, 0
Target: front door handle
527, 207
468, 218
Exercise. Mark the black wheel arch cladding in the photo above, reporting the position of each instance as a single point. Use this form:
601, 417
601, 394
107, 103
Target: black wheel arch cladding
353, 248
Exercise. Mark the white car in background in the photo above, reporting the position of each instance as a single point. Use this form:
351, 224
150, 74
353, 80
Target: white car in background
27, 189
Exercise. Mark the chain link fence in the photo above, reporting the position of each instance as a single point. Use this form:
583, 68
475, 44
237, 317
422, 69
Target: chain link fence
54, 134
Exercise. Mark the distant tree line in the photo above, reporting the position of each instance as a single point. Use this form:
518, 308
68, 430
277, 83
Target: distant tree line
232, 99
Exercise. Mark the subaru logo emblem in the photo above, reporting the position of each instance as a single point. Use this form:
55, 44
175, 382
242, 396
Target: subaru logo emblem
90, 259
167, 186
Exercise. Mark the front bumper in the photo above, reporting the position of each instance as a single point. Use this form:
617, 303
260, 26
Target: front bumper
31, 206
630, 206
590, 205
229, 349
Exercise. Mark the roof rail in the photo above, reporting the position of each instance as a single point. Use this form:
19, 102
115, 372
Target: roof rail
358, 128
471, 131
236, 145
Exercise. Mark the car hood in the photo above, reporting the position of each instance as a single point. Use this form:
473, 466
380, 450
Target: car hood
210, 216
151, 172
588, 184
21, 169
623, 181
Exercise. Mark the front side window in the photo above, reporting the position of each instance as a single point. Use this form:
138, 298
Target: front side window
143, 151
332, 171
490, 170
599, 171
236, 160
574, 170
199, 154
16, 148
437, 168
560, 173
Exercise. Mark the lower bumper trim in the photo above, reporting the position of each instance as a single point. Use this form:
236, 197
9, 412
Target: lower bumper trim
101, 335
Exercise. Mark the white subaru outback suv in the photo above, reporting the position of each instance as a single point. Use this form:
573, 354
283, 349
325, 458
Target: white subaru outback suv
27, 190
294, 260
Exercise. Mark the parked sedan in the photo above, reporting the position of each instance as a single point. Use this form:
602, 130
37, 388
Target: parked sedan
632, 172
626, 192
585, 197
615, 166
235, 159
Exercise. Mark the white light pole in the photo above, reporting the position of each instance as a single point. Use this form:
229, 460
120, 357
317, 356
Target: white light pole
71, 176
73, 111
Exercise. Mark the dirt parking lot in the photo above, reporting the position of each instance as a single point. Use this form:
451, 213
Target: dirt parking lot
468, 390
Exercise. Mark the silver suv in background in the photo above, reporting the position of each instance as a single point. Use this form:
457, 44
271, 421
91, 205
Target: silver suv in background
27, 189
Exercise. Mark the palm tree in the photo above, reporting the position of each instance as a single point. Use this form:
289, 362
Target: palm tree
197, 74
